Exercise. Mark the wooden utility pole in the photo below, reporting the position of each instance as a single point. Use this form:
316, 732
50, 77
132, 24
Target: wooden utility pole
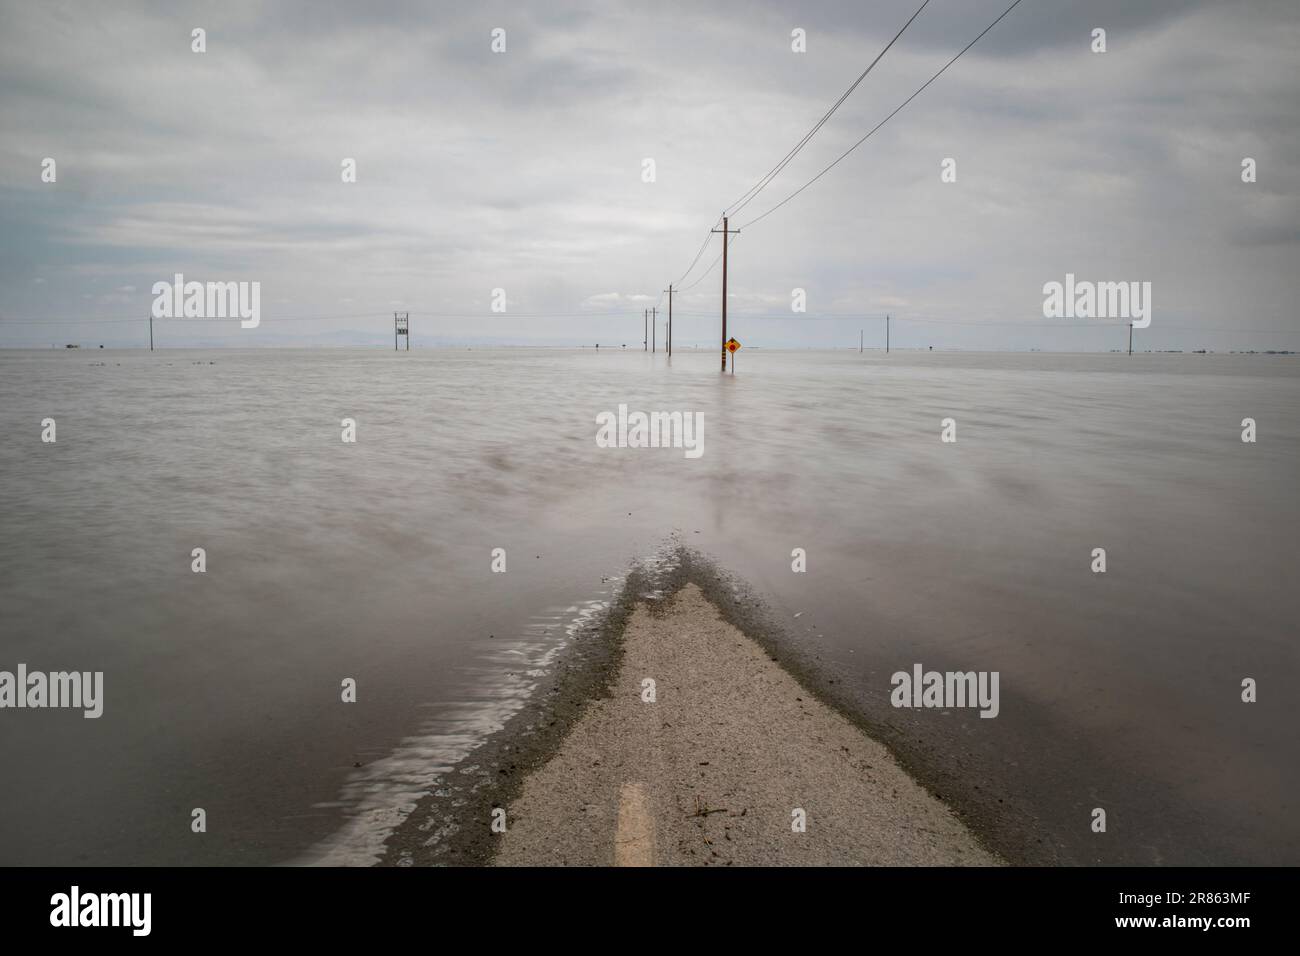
151, 330
726, 238
654, 319
645, 330
1130, 338
670, 320
860, 334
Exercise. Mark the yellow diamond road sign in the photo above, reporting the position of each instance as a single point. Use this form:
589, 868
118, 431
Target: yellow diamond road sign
732, 345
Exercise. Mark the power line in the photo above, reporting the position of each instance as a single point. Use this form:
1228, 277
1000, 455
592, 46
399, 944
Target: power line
750, 194
704, 245
5, 322
706, 272
896, 111
573, 314
758, 187
800, 317
828, 316
568, 314
785, 160
976, 324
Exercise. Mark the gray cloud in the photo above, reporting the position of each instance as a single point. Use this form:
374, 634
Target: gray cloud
522, 170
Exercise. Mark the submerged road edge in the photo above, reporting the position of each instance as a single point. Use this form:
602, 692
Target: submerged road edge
453, 824
709, 753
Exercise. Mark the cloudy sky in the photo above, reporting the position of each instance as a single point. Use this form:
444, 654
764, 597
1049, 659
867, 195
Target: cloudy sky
523, 170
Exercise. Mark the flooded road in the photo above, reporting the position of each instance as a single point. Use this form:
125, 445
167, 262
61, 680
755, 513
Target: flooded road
372, 560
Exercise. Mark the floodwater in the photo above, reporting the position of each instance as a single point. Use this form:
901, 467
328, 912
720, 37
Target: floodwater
372, 561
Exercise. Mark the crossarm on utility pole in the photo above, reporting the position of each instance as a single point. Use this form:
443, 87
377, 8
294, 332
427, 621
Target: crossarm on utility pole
727, 233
